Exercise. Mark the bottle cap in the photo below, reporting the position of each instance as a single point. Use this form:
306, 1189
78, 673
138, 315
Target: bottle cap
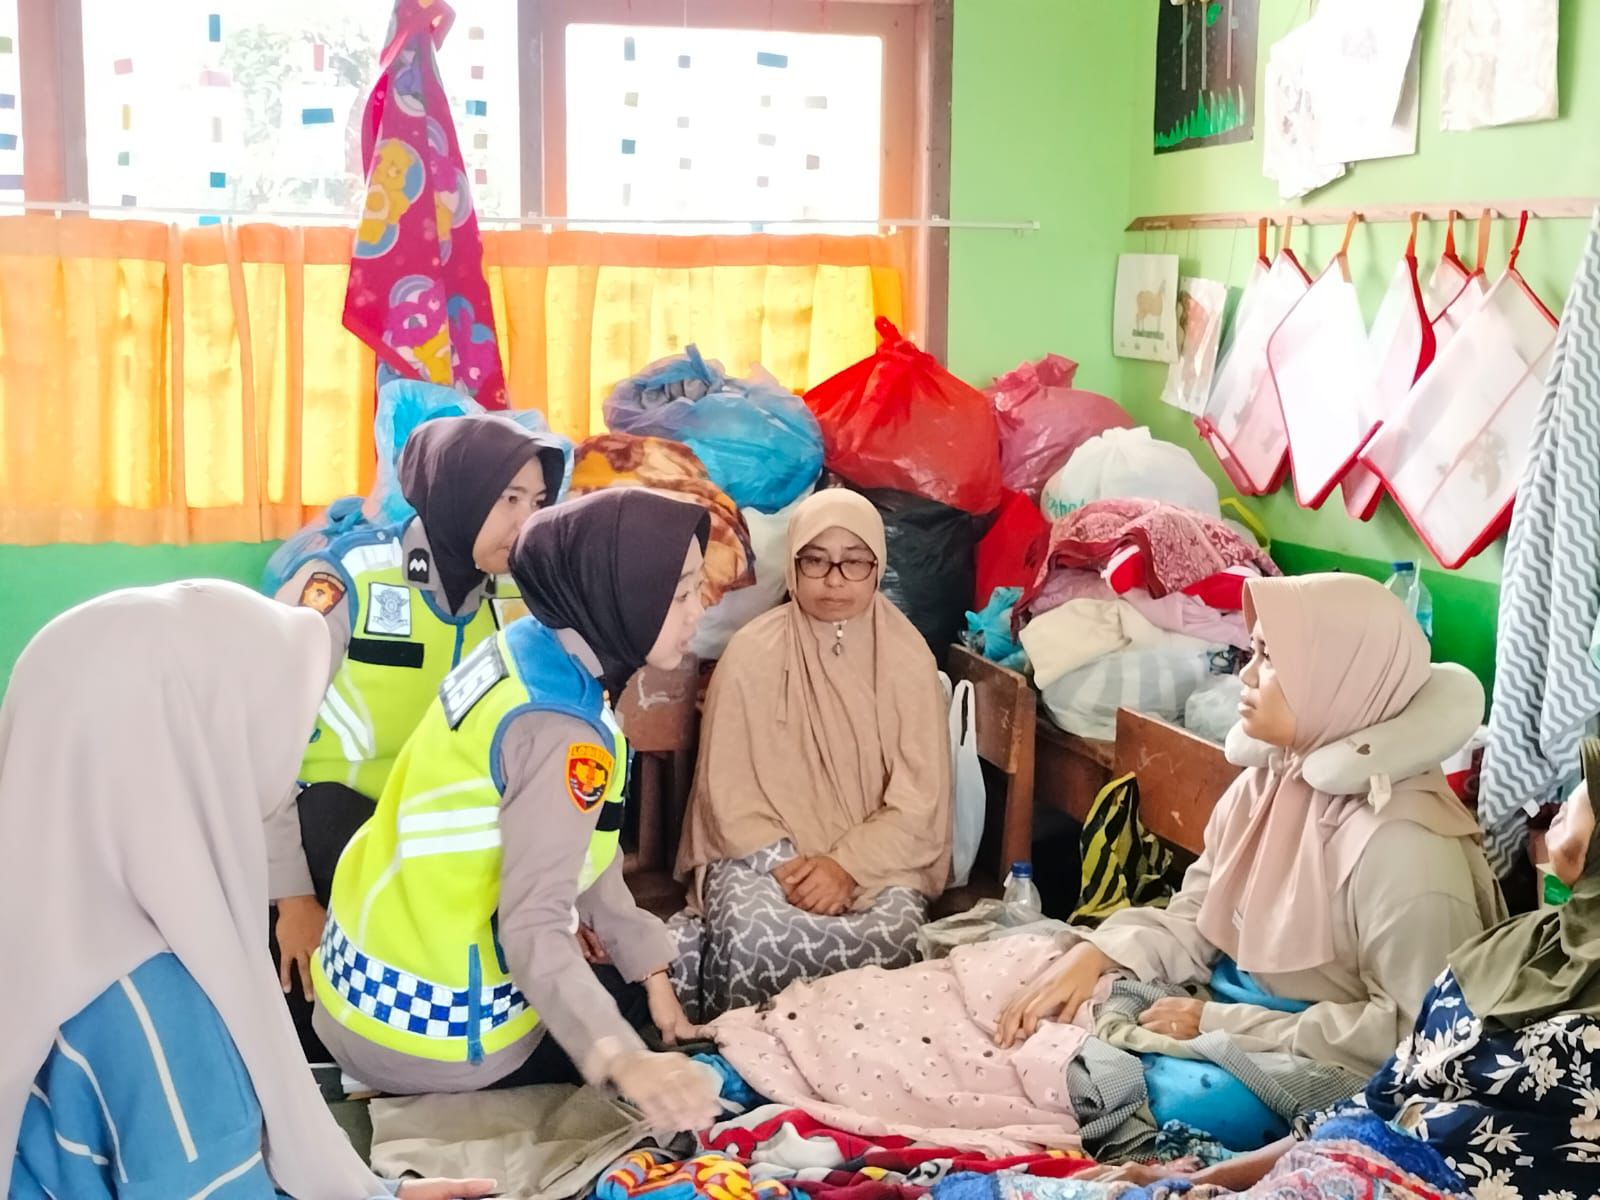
1403, 566
1022, 870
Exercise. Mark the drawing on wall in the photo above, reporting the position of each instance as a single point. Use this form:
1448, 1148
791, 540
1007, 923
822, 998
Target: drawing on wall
1499, 63
1201, 306
1364, 72
1144, 318
1205, 73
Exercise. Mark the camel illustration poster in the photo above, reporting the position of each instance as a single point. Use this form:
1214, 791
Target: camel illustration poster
1205, 73
1144, 316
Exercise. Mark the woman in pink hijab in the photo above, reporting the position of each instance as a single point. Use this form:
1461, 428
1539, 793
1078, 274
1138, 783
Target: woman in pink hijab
1339, 871
144, 739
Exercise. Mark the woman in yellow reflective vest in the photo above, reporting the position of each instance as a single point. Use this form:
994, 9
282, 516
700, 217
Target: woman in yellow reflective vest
405, 602
450, 961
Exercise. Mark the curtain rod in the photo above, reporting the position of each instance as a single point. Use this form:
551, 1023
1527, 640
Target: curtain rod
532, 220
1557, 209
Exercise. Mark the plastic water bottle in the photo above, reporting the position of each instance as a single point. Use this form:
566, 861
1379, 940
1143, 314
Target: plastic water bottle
1022, 898
1406, 582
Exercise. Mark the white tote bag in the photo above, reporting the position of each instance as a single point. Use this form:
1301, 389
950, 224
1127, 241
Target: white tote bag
970, 804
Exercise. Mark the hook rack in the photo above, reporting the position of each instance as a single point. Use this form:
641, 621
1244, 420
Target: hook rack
1573, 207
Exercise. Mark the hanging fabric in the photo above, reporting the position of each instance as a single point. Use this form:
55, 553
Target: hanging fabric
1323, 372
417, 293
1452, 460
1401, 346
1547, 687
1455, 293
1243, 421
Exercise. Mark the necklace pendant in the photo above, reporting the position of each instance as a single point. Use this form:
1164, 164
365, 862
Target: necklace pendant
838, 640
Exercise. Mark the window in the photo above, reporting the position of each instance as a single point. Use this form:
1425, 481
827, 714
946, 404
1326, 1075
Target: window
756, 113
256, 105
10, 105
731, 124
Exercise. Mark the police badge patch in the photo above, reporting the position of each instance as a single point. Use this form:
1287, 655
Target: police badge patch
322, 592
389, 610
588, 774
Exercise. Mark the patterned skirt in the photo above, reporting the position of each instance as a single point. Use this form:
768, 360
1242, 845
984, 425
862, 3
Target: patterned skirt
752, 943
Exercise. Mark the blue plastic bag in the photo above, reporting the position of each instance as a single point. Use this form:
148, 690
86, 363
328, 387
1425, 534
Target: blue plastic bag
989, 632
759, 443
403, 405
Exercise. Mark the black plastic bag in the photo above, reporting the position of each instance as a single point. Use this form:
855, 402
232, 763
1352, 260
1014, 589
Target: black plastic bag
932, 565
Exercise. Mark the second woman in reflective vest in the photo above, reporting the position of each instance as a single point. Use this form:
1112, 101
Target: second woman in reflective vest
450, 961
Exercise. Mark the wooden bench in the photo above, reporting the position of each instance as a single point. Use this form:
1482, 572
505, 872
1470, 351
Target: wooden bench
1181, 775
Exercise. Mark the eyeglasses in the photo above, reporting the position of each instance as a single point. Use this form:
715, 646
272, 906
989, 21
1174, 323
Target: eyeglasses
820, 566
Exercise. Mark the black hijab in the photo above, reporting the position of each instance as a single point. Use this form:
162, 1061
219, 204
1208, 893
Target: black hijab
606, 566
453, 470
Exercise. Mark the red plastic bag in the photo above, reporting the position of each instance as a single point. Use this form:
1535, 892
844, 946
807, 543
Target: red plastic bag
899, 420
1010, 553
1043, 419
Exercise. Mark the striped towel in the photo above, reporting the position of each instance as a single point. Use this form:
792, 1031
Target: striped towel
1547, 687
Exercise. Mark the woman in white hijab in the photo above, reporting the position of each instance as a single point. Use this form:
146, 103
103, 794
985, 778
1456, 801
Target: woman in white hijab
143, 740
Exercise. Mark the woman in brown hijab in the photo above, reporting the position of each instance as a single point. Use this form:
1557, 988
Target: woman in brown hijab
819, 827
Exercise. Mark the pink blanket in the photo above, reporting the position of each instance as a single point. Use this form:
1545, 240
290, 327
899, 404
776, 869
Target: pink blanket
417, 294
911, 1053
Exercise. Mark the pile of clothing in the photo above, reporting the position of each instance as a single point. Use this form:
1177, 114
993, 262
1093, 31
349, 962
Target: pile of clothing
1121, 587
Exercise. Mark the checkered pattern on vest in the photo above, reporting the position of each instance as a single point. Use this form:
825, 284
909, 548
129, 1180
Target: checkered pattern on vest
402, 1001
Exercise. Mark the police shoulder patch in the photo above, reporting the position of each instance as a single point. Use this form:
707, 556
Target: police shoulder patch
323, 591
589, 770
471, 681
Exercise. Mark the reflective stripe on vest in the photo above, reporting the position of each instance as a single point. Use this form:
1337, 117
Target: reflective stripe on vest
411, 959
372, 706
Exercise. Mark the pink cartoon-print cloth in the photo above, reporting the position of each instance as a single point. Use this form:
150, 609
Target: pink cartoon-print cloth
911, 1053
417, 293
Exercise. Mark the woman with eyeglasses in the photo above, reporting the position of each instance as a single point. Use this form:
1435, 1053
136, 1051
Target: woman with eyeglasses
819, 827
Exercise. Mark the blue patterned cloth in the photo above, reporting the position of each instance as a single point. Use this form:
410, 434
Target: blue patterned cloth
143, 1095
1515, 1112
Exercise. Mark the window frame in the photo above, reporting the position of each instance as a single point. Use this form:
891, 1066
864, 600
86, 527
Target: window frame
915, 178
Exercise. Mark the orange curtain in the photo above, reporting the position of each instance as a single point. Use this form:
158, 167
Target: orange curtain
160, 384
578, 311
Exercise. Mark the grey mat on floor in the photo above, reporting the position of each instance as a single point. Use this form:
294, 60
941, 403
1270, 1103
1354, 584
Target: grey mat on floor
540, 1143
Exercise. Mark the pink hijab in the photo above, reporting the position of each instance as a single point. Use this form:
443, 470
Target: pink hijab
1348, 655
144, 739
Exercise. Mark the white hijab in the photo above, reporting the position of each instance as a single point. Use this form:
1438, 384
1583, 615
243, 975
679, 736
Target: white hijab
144, 738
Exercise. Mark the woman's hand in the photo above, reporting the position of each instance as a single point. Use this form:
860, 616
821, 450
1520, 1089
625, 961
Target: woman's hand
672, 1092
299, 931
594, 950
817, 885
446, 1189
1060, 990
1175, 1017
667, 1012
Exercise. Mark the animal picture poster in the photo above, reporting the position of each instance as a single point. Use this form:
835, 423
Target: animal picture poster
1202, 304
1144, 316
1205, 73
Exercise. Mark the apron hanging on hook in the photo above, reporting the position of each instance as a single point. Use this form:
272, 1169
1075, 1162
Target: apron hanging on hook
1452, 461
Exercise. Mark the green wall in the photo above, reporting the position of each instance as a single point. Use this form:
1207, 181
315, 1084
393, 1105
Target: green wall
39, 582
1053, 102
